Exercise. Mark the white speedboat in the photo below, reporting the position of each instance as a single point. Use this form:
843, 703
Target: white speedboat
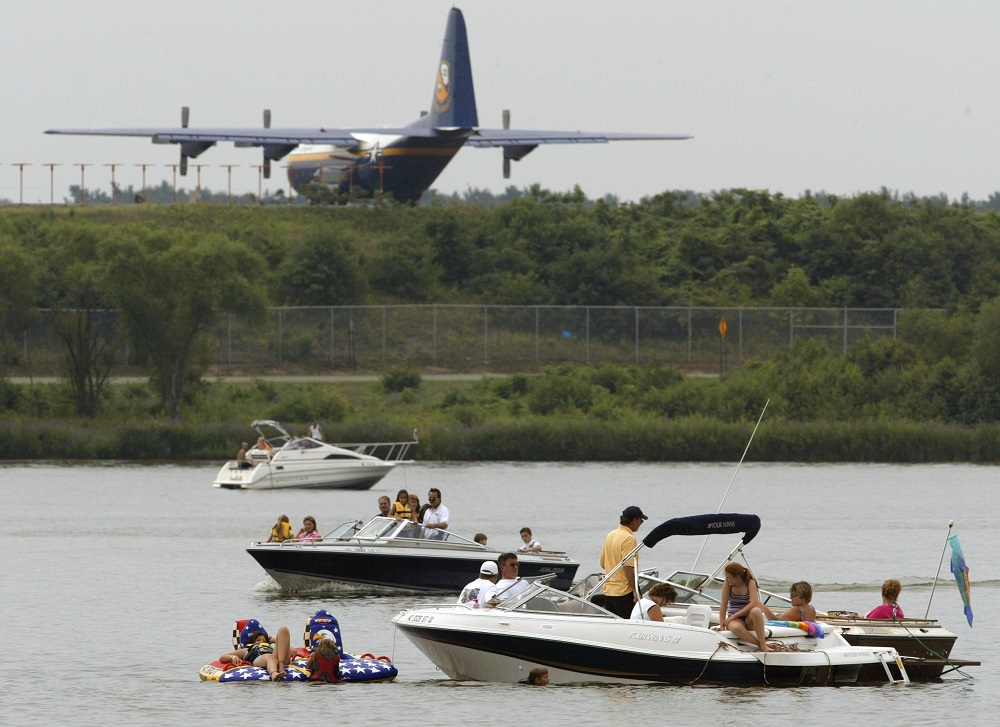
578, 641
387, 555
305, 462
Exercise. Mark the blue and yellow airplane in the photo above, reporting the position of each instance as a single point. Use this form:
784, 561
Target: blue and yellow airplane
403, 161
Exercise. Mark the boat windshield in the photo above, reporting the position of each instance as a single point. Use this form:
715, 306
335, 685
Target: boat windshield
541, 598
697, 588
303, 443
392, 529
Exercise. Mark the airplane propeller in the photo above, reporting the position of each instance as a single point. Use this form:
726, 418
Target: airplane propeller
185, 117
267, 160
506, 159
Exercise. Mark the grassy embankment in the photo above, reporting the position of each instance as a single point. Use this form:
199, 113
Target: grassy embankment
488, 420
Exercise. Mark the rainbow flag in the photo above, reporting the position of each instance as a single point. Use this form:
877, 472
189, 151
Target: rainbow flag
961, 573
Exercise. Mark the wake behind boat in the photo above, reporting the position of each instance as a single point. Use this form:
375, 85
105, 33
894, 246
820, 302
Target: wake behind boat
393, 555
578, 641
290, 461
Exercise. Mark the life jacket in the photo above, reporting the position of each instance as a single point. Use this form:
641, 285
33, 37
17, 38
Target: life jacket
403, 511
326, 669
281, 531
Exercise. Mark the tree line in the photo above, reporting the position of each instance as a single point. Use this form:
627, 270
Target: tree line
169, 271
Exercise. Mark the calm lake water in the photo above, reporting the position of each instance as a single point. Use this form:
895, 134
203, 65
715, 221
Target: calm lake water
120, 581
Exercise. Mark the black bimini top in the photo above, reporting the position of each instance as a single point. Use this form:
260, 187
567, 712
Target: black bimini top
718, 524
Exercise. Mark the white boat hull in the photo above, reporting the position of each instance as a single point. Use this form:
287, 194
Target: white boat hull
359, 475
496, 646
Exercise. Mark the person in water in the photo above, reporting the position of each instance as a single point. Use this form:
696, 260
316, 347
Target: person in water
889, 607
538, 676
323, 663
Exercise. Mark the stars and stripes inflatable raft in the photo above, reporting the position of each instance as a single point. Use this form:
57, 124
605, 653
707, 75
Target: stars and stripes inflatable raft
364, 668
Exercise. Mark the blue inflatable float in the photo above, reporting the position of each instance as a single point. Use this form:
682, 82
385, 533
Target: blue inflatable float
364, 668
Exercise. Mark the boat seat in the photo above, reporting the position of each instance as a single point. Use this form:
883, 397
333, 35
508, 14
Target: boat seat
698, 615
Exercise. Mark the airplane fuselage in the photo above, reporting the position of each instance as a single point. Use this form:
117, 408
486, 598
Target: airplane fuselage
404, 166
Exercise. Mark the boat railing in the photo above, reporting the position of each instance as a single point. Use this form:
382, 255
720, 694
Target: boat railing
385, 451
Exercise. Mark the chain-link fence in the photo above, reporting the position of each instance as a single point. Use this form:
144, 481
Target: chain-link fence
490, 337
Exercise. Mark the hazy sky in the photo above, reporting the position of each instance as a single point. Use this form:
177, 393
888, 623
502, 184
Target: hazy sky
842, 96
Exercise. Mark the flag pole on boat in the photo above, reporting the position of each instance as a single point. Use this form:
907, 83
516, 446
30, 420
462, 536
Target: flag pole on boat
951, 524
732, 479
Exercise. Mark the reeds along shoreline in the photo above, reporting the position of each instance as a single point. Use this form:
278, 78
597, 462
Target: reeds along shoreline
553, 439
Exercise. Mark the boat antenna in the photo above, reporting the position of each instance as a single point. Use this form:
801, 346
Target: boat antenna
732, 479
951, 524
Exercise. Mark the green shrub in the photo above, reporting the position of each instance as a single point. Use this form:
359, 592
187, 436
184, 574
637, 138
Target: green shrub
396, 380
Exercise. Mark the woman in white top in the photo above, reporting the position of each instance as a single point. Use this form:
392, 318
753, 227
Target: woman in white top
648, 609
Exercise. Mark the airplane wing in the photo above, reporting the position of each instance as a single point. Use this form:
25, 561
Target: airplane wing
526, 137
256, 136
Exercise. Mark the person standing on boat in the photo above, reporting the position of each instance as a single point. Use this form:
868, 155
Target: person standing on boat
316, 431
481, 590
889, 607
436, 516
619, 589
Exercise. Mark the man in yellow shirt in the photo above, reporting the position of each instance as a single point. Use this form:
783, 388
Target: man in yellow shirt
619, 596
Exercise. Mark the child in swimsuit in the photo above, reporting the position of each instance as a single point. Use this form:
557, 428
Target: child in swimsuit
740, 608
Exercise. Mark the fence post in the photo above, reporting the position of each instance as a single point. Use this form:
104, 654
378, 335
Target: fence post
636, 335
486, 334
845, 330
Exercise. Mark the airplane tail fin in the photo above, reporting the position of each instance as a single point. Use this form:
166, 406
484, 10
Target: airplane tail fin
454, 102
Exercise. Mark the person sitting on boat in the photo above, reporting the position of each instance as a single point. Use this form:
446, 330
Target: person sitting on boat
260, 651
801, 594
530, 544
510, 585
415, 512
648, 609
889, 607
241, 456
308, 530
323, 663
281, 531
264, 446
436, 516
481, 590
740, 608
384, 507
401, 508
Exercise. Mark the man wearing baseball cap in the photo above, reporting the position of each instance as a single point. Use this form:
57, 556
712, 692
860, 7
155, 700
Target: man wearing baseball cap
477, 593
619, 595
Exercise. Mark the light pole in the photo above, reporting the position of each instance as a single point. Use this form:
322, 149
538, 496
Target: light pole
143, 167
174, 167
114, 192
21, 166
229, 183
83, 186
52, 182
